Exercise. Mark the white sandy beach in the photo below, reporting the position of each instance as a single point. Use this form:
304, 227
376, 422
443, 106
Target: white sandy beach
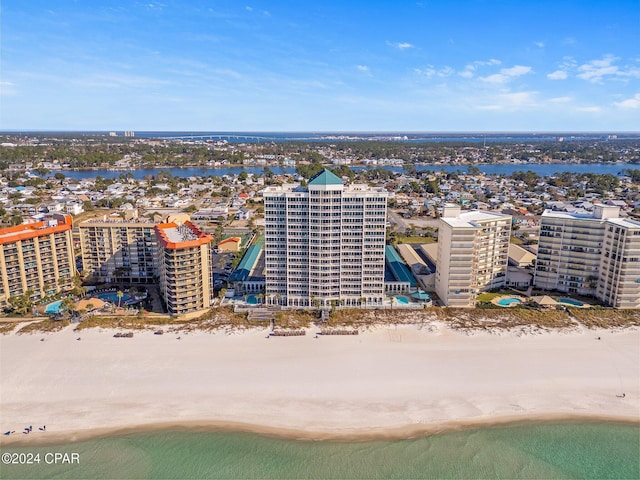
392, 379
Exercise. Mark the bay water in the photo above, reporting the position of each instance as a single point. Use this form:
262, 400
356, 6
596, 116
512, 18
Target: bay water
542, 169
531, 450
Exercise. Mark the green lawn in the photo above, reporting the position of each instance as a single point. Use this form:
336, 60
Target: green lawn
487, 297
402, 239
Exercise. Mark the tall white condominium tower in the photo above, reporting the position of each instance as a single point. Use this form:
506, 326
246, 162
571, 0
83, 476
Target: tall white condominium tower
325, 243
473, 250
590, 254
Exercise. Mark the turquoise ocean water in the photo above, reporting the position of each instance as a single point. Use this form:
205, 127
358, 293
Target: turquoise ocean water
564, 450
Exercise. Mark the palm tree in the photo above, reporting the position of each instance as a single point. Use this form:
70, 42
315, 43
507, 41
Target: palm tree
119, 294
68, 304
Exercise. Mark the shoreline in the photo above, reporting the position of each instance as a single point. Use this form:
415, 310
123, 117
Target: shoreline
389, 382
405, 432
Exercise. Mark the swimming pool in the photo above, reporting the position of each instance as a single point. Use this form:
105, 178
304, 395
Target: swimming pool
402, 300
571, 301
53, 308
252, 300
507, 302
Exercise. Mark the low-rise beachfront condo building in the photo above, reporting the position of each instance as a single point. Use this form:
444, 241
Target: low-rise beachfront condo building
119, 251
36, 256
473, 250
325, 243
184, 267
595, 254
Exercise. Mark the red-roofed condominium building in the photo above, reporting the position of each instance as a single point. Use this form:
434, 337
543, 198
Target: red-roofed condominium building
36, 256
184, 267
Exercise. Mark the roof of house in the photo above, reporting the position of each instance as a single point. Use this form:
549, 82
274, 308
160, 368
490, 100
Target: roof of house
519, 254
325, 177
230, 240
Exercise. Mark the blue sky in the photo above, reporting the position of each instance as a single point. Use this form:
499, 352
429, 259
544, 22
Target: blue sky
320, 66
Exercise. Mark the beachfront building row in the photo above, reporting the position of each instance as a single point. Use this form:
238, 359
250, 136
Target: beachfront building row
325, 243
36, 257
473, 250
596, 254
175, 256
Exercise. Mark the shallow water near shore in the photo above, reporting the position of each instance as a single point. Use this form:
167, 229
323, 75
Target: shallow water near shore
543, 450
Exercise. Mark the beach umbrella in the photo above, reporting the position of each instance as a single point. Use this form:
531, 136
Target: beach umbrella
544, 300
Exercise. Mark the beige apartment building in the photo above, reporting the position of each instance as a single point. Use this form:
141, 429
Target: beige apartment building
619, 276
570, 250
595, 254
473, 249
325, 243
184, 267
36, 256
119, 251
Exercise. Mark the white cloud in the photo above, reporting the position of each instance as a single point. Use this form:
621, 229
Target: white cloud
470, 69
506, 74
633, 102
560, 99
430, 71
248, 8
518, 99
596, 71
400, 45
539, 44
7, 89
515, 71
557, 75
363, 69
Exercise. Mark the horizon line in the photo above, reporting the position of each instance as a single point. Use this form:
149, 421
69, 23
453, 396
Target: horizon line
366, 132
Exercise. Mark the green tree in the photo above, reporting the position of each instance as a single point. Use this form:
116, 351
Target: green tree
21, 304
67, 304
16, 219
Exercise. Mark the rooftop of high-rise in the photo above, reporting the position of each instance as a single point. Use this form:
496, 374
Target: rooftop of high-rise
600, 212
51, 224
454, 216
178, 236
